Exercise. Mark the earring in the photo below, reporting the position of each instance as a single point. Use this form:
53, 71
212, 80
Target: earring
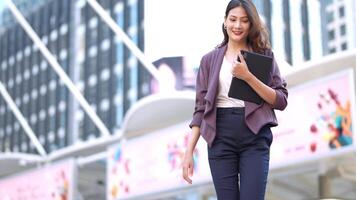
224, 27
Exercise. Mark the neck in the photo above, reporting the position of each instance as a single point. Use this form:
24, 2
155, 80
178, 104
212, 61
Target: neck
236, 47
233, 49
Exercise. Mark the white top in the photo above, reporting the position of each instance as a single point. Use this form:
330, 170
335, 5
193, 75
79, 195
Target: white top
225, 77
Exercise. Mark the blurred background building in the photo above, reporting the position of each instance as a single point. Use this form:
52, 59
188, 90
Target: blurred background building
25, 6
99, 64
295, 28
304, 30
338, 25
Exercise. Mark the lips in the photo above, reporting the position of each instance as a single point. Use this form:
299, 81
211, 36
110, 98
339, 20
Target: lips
238, 33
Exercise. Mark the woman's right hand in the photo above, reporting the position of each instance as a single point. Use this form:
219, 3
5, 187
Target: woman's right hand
188, 166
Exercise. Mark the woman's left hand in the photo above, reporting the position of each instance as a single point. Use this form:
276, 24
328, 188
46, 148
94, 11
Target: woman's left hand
240, 69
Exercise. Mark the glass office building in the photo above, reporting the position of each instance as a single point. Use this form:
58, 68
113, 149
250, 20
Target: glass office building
107, 73
25, 6
33, 85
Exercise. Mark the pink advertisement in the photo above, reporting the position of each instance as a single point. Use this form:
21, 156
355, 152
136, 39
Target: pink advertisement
318, 121
152, 163
53, 182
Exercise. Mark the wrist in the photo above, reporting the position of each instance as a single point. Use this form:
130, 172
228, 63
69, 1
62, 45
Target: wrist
189, 151
249, 77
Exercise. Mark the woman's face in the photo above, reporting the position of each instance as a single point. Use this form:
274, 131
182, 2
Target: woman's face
237, 25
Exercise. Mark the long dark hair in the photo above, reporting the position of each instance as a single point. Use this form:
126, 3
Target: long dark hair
258, 37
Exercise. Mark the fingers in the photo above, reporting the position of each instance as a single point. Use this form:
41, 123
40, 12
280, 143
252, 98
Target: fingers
234, 69
233, 74
190, 170
187, 171
242, 59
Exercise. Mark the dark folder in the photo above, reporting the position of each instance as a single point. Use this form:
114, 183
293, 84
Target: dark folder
259, 65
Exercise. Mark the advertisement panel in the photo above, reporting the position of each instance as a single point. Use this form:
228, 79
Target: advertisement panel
318, 121
152, 163
52, 182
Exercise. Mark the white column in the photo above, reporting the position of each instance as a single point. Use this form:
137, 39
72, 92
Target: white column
316, 47
296, 29
278, 27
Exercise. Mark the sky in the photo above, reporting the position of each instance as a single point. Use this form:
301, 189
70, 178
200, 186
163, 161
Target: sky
185, 27
201, 21
2, 4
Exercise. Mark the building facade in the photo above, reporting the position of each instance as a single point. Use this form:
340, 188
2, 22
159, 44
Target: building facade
294, 36
33, 85
108, 74
338, 25
25, 6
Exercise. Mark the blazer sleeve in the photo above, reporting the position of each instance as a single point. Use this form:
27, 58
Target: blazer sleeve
279, 85
201, 89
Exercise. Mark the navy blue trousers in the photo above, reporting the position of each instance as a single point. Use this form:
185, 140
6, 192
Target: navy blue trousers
238, 158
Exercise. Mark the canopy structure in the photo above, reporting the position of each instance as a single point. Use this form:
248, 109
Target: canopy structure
11, 163
158, 111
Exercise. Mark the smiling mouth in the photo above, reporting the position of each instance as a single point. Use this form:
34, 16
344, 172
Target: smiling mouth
237, 32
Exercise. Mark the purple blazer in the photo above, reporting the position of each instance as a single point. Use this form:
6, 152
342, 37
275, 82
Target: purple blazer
256, 116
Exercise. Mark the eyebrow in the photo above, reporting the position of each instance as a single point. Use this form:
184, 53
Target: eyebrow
240, 17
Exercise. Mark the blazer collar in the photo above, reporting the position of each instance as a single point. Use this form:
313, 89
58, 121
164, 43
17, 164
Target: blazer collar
215, 64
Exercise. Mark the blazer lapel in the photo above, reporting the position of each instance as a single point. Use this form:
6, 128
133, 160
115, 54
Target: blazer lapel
215, 65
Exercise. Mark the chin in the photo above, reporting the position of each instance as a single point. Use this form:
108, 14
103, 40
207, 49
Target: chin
239, 39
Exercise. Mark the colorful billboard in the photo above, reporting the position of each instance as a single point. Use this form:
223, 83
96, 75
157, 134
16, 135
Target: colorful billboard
152, 163
318, 121
52, 182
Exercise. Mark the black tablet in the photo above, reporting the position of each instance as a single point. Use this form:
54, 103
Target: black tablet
261, 66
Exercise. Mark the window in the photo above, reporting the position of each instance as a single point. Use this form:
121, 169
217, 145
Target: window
105, 74
63, 29
63, 54
328, 2
105, 45
44, 65
62, 119
332, 50
42, 115
329, 17
92, 81
54, 35
104, 105
341, 11
104, 31
93, 23
331, 35
344, 46
35, 70
93, 51
51, 112
34, 94
104, 88
343, 30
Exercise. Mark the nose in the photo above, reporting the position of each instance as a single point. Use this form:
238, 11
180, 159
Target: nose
237, 24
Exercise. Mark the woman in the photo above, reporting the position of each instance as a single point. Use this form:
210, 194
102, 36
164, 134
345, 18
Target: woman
237, 132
